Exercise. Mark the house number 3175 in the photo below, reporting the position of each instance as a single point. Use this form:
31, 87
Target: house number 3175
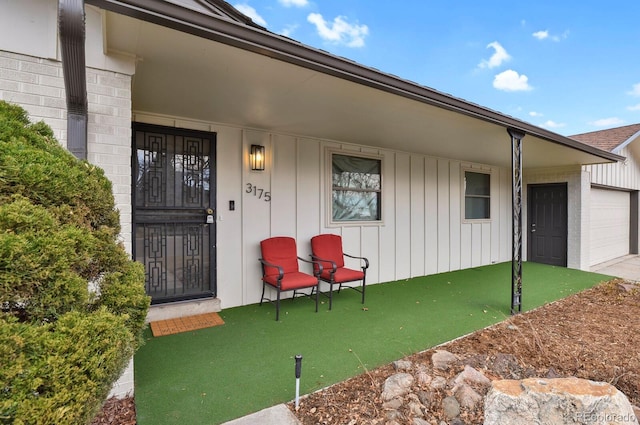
260, 193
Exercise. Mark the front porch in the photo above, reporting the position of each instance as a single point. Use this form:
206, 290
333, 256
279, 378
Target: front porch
221, 373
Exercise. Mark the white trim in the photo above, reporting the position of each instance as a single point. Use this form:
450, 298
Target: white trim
463, 194
328, 158
627, 142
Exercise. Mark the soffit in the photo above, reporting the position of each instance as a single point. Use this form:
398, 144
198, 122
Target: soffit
184, 75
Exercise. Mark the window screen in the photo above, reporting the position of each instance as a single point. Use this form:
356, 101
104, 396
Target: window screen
477, 196
356, 188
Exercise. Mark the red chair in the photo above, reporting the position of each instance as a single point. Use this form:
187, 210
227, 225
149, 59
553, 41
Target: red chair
327, 250
280, 269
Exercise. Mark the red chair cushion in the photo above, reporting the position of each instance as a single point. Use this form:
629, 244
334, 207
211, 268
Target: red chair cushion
292, 280
281, 251
342, 275
328, 247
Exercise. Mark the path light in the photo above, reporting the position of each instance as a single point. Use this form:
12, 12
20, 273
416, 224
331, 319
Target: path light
298, 373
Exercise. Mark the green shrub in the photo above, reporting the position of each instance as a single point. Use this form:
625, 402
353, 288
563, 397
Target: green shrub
60, 372
72, 303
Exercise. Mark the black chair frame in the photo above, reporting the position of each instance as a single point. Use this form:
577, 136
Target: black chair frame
331, 281
265, 263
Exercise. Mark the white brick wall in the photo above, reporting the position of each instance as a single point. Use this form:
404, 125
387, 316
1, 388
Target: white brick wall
38, 86
577, 223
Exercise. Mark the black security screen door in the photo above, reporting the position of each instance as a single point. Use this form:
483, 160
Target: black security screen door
174, 211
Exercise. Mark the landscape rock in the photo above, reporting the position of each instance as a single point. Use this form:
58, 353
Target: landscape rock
557, 401
506, 365
416, 408
422, 376
393, 404
443, 359
473, 377
426, 398
439, 383
397, 385
401, 365
467, 396
477, 361
420, 421
450, 407
628, 287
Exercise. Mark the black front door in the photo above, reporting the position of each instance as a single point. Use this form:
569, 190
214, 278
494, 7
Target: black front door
174, 211
548, 224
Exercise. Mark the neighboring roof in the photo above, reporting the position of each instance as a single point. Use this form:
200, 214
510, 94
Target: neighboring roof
610, 140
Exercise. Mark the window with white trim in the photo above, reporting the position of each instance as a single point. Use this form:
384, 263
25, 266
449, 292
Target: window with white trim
477, 195
356, 188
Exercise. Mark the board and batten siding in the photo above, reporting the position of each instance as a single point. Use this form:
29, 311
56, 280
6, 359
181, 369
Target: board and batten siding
623, 175
423, 231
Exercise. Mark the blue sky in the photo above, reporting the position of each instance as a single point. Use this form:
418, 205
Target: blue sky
570, 67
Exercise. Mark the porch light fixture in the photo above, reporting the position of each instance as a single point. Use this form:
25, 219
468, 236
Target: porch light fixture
256, 158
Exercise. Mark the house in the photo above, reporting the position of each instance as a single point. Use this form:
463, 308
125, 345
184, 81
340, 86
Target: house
613, 212
171, 97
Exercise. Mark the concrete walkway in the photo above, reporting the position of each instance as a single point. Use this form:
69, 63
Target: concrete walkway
276, 415
627, 267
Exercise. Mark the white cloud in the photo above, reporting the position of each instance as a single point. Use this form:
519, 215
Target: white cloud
607, 122
498, 58
339, 31
294, 3
541, 35
552, 124
635, 91
634, 107
510, 80
288, 30
535, 114
251, 12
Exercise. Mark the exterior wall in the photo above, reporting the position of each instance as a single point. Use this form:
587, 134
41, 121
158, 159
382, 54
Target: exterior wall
38, 86
423, 231
624, 175
578, 190
31, 76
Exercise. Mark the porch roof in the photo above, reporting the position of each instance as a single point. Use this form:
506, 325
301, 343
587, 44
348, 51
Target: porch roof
204, 60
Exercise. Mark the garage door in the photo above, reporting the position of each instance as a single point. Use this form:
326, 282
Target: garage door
610, 212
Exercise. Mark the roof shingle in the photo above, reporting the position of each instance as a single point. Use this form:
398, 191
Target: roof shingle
608, 139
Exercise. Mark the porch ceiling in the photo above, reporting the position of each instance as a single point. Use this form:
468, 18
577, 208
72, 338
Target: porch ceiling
183, 75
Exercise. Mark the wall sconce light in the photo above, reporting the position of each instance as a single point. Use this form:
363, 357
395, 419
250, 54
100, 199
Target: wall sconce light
256, 158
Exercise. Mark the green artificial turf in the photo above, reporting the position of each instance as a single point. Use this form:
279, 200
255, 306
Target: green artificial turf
217, 374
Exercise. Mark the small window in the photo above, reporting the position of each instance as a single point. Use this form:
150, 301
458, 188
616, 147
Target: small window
356, 184
477, 196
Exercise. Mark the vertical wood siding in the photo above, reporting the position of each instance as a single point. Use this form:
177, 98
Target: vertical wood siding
423, 230
625, 175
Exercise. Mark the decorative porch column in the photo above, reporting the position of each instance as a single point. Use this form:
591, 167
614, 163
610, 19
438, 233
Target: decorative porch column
516, 197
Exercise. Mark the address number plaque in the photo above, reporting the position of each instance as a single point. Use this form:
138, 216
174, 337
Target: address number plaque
258, 192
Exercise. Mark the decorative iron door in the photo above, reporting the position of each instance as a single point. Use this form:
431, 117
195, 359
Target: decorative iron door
174, 211
548, 224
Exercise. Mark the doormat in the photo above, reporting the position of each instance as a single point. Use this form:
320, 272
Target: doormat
185, 324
